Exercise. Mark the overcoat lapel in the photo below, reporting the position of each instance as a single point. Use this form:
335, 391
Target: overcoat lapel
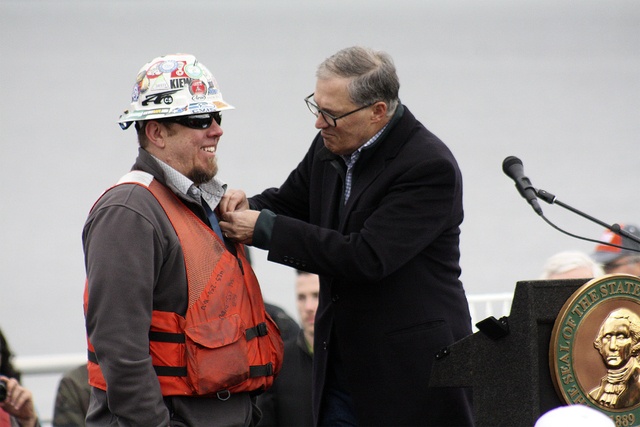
331, 189
372, 161
370, 165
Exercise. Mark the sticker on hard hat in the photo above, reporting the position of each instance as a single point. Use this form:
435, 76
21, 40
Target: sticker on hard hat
168, 66
160, 98
193, 71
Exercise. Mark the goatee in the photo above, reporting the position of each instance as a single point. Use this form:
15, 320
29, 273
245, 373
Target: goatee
200, 176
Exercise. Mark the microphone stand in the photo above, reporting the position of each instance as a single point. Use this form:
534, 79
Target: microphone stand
551, 199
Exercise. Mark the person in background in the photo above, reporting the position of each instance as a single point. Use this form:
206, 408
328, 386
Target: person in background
374, 208
6, 360
17, 408
286, 325
176, 325
570, 265
72, 398
288, 402
618, 260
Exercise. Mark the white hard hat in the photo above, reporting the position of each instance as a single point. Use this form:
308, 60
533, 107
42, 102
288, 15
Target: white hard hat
173, 85
574, 415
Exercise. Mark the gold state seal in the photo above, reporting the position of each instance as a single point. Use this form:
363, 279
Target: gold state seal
594, 354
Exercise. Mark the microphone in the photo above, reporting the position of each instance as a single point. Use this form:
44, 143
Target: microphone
512, 167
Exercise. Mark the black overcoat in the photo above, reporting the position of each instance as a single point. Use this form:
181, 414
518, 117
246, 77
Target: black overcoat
388, 260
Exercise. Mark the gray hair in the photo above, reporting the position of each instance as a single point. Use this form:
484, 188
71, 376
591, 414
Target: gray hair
372, 73
563, 262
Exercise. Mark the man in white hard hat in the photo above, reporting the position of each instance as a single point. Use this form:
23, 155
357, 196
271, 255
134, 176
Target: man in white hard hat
176, 326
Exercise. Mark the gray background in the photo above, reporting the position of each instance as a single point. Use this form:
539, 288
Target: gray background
555, 83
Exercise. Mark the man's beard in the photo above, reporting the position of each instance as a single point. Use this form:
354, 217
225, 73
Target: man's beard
200, 176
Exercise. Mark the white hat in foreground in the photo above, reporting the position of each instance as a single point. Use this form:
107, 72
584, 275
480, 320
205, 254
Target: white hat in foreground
574, 415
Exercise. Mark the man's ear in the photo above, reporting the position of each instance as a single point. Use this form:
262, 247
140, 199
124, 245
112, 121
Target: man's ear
156, 133
379, 111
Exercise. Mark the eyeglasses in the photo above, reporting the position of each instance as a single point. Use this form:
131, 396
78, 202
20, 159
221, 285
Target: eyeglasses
196, 121
329, 118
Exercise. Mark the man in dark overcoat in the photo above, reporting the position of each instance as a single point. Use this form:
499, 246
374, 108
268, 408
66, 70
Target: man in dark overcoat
374, 208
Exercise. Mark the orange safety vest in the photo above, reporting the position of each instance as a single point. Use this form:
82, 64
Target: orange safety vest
226, 343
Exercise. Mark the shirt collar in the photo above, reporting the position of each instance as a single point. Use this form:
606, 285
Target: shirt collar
348, 158
211, 191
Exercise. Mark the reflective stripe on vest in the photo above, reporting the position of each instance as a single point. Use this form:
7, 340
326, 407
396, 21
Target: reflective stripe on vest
226, 341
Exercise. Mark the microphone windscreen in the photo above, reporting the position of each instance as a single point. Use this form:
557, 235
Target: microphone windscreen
508, 162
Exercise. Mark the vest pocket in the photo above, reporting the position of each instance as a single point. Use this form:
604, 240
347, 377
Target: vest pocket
216, 354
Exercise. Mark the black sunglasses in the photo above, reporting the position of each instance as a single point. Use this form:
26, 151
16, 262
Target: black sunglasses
196, 121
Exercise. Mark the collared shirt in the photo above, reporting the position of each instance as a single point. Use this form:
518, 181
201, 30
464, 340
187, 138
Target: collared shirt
210, 191
351, 159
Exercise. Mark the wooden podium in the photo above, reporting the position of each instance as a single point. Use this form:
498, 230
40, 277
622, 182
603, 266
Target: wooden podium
506, 363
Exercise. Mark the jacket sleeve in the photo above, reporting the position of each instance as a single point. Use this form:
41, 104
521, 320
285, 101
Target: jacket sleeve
123, 257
